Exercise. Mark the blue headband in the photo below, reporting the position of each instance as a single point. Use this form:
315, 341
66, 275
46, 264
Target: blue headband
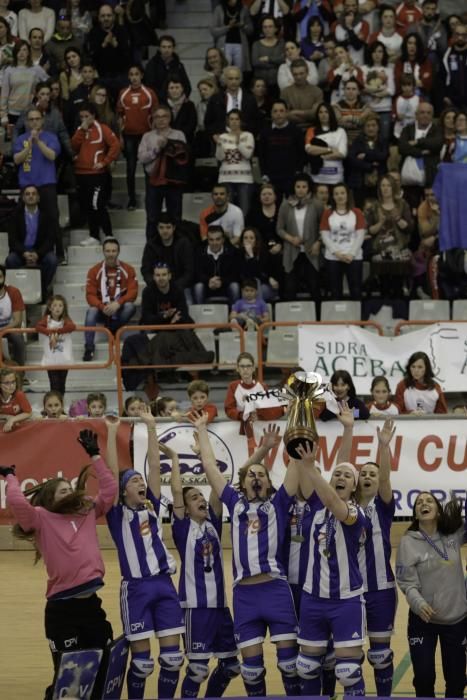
125, 478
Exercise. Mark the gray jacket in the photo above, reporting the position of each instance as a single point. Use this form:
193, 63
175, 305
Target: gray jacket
219, 30
287, 223
425, 577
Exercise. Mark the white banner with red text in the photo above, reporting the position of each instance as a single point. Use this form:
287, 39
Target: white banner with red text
427, 454
365, 355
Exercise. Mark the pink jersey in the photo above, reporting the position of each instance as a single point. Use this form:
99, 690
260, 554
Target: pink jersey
68, 543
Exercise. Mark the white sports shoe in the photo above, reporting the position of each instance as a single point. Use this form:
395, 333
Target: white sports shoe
89, 241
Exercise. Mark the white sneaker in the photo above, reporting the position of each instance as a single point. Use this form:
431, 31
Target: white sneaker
89, 241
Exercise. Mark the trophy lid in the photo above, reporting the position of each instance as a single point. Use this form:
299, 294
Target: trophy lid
301, 383
309, 377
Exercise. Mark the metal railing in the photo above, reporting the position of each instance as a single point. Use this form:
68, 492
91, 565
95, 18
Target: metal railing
4, 332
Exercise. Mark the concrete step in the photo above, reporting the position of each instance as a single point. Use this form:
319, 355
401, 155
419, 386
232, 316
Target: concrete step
83, 381
186, 35
189, 19
126, 236
34, 350
89, 255
195, 49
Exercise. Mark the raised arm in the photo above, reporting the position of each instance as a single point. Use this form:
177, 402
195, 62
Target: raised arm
271, 438
385, 435
24, 513
328, 497
112, 452
304, 479
208, 458
176, 485
214, 501
346, 418
154, 460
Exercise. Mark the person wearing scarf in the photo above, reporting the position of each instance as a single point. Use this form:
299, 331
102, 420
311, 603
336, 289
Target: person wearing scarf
184, 117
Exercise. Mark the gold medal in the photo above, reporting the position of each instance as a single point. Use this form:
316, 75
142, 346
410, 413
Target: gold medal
297, 538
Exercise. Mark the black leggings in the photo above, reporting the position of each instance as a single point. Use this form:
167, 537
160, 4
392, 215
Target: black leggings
57, 380
78, 623
93, 197
423, 639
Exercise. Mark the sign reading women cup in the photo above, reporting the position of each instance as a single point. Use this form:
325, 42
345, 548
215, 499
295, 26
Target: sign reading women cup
302, 388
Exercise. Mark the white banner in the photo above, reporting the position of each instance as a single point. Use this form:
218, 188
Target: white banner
366, 355
427, 454
269, 398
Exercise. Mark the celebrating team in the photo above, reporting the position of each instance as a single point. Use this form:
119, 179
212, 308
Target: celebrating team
311, 565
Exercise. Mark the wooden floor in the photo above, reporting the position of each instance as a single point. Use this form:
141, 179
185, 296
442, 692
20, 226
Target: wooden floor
25, 661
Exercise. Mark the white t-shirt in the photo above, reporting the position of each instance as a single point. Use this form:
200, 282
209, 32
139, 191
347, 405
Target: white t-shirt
343, 233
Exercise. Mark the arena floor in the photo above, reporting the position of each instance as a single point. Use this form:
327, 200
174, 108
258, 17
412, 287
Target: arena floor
25, 660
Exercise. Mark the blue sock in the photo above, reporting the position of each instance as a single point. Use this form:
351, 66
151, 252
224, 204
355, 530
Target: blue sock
220, 678
135, 683
383, 676
168, 679
257, 687
291, 682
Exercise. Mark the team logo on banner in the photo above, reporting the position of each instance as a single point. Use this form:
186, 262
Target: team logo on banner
180, 439
77, 674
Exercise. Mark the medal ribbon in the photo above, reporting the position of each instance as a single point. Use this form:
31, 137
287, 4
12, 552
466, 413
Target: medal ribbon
443, 554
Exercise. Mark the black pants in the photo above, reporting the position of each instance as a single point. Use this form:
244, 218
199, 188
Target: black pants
353, 272
423, 639
302, 276
57, 380
93, 193
49, 203
78, 623
131, 154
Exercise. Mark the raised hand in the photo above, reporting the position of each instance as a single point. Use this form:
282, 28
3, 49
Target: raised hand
88, 440
386, 433
271, 436
112, 422
4, 471
146, 416
345, 415
198, 418
306, 452
195, 447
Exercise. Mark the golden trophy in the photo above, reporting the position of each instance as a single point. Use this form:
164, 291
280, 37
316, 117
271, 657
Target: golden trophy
303, 388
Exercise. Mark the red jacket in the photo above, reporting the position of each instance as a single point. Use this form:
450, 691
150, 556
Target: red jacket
128, 284
96, 145
135, 106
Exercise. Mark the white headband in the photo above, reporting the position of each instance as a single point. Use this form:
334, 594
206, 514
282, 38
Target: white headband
350, 466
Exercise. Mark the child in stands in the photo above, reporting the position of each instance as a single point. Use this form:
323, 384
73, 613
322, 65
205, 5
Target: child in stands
381, 404
53, 405
237, 391
97, 404
344, 390
56, 328
14, 406
249, 311
163, 406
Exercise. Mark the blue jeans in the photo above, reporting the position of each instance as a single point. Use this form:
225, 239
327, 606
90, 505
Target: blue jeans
241, 193
94, 316
47, 264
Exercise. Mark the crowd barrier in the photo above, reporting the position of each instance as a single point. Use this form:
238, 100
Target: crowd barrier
214, 331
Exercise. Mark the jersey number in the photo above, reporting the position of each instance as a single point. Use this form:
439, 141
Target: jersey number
253, 527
